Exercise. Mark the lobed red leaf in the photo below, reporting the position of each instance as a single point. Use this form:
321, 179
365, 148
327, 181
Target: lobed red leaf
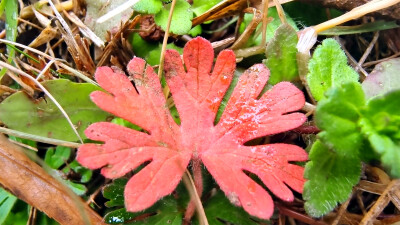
197, 92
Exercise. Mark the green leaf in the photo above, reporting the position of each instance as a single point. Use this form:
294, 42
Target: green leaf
11, 9
362, 28
201, 6
153, 57
75, 167
381, 125
23, 141
11, 23
140, 47
78, 189
328, 68
115, 192
195, 31
335, 164
148, 6
384, 78
337, 117
331, 177
57, 157
126, 123
164, 211
281, 55
41, 117
219, 209
7, 202
119, 216
181, 21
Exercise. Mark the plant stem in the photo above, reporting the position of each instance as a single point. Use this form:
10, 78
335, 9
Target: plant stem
195, 201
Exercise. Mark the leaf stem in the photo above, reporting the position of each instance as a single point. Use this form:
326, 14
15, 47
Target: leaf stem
165, 40
195, 189
38, 138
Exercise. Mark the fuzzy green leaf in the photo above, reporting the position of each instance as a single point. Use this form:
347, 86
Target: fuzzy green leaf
328, 68
337, 117
148, 6
181, 21
57, 157
335, 164
331, 177
381, 125
281, 55
41, 117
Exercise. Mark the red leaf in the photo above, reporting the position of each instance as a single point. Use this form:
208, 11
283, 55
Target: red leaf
169, 147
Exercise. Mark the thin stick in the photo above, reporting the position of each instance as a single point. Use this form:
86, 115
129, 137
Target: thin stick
368, 50
368, 64
187, 179
165, 40
264, 22
117, 11
39, 138
45, 69
15, 70
281, 13
24, 145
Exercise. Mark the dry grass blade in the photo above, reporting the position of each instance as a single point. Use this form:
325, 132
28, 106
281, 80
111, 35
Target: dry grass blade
381, 203
165, 40
31, 183
58, 62
41, 139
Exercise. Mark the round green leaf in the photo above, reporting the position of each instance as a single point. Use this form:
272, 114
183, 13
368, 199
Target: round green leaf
181, 19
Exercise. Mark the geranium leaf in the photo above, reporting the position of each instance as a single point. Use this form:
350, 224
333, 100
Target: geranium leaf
41, 117
328, 68
281, 50
167, 147
384, 78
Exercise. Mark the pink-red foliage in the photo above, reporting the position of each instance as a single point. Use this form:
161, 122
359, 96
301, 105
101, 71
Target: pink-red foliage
197, 93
